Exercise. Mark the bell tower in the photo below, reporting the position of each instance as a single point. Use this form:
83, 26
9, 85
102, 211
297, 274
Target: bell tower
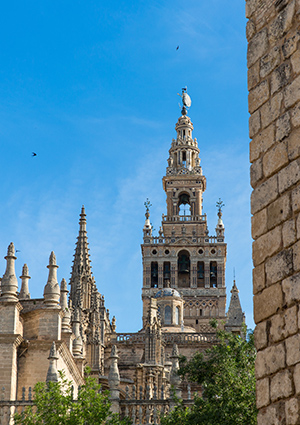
184, 256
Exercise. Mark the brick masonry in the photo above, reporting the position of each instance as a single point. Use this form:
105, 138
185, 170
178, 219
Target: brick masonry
273, 33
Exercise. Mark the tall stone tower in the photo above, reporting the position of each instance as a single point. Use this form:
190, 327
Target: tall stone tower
183, 256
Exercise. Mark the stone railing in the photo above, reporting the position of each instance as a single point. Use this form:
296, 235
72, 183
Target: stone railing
176, 218
156, 240
169, 338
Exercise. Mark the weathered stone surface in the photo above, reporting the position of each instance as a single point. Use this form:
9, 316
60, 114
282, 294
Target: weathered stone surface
295, 61
290, 45
296, 377
296, 256
291, 289
283, 127
253, 76
269, 61
275, 159
250, 8
282, 23
284, 324
298, 226
279, 210
295, 115
254, 123
250, 30
266, 245
264, 194
260, 335
256, 172
279, 266
294, 144
270, 360
289, 176
271, 110
292, 93
267, 302
270, 415
292, 411
296, 199
258, 278
262, 142
257, 47
280, 77
292, 350
262, 393
258, 95
281, 385
289, 233
259, 223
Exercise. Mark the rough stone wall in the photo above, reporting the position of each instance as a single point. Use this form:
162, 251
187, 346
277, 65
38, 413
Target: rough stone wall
273, 34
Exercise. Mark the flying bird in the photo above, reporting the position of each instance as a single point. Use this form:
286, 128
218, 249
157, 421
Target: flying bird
17, 250
177, 47
34, 154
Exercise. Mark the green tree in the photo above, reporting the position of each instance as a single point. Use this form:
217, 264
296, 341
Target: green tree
226, 373
53, 404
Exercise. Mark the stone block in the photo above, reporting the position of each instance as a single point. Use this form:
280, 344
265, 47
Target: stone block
296, 256
290, 45
289, 176
256, 172
258, 96
264, 194
292, 93
289, 233
254, 124
282, 23
284, 324
293, 143
262, 393
253, 76
295, 115
267, 302
279, 266
270, 415
280, 77
298, 226
271, 110
262, 142
266, 246
274, 159
250, 29
269, 61
283, 127
270, 360
296, 199
250, 7
292, 411
292, 350
296, 378
295, 61
279, 210
259, 223
261, 335
281, 385
258, 278
257, 47
291, 289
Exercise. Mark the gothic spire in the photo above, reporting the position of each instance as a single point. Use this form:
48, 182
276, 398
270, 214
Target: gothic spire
82, 281
24, 293
235, 315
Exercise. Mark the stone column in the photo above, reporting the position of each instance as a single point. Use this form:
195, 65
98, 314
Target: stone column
114, 381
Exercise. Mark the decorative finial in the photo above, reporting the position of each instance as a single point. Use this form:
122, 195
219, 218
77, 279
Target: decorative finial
148, 205
9, 283
52, 290
186, 100
52, 259
220, 225
52, 374
113, 324
220, 204
11, 249
24, 293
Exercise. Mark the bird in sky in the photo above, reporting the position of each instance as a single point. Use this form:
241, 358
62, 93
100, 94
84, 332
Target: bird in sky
17, 250
34, 154
177, 47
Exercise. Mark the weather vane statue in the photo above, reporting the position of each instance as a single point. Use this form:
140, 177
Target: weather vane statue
220, 204
186, 100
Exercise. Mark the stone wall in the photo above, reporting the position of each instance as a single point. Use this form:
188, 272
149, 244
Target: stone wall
273, 34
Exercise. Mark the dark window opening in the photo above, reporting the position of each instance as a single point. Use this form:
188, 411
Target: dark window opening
184, 269
200, 274
167, 273
213, 274
154, 274
184, 204
196, 321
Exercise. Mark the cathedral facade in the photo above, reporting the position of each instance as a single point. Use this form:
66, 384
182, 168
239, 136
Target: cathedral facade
183, 288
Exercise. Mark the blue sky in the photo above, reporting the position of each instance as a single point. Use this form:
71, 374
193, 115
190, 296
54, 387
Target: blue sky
91, 87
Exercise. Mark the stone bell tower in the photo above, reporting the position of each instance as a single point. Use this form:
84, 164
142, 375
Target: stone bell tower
184, 256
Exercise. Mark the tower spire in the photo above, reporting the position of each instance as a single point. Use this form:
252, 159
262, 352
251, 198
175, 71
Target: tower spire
235, 315
82, 281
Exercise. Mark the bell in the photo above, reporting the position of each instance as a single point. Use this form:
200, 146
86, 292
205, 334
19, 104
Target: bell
200, 275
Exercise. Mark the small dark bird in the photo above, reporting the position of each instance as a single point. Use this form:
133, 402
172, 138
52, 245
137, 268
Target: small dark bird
34, 154
17, 250
177, 47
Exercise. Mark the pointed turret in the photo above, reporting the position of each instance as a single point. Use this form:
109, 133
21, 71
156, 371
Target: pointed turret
24, 293
235, 315
82, 281
9, 284
77, 343
52, 291
52, 374
65, 327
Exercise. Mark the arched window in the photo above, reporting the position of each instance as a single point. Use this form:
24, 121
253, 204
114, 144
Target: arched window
213, 274
168, 315
154, 274
200, 274
184, 204
184, 265
177, 315
167, 273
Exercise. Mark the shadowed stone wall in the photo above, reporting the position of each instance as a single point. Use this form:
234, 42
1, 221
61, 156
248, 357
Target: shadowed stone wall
273, 33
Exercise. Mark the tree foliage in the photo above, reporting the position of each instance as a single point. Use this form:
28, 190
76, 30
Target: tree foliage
226, 373
53, 404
